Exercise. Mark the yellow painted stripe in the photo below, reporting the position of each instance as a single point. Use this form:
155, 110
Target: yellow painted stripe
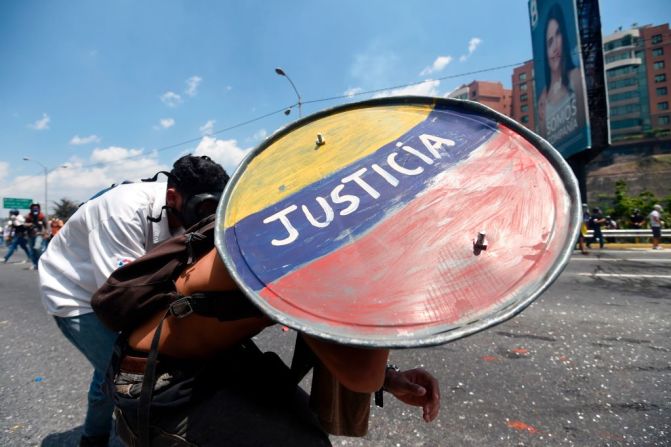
291, 163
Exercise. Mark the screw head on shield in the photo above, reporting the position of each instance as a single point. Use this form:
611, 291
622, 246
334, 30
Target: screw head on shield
479, 244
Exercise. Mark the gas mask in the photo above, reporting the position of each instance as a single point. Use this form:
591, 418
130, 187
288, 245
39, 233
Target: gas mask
195, 207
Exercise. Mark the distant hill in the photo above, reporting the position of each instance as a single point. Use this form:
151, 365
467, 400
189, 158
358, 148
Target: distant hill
648, 172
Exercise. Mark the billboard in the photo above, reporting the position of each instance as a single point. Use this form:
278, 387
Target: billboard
561, 100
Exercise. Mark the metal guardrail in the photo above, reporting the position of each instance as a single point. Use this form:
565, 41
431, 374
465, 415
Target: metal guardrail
666, 232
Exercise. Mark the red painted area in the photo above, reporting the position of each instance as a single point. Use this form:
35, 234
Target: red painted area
519, 425
520, 351
417, 270
489, 358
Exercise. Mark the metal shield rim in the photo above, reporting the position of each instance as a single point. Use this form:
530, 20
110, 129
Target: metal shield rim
515, 307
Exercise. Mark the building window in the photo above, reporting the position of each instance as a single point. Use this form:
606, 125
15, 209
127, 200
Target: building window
523, 77
660, 77
525, 119
474, 93
625, 95
524, 108
523, 97
622, 70
623, 124
619, 56
657, 38
622, 83
663, 120
658, 65
661, 91
663, 105
658, 51
523, 87
626, 109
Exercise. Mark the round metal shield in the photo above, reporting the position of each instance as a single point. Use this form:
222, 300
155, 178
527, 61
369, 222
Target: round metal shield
361, 224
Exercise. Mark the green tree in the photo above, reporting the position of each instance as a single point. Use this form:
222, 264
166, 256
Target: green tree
64, 208
625, 204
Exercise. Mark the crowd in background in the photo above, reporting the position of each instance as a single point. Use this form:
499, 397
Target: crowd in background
596, 222
32, 232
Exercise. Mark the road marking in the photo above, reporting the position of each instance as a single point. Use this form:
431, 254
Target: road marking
623, 275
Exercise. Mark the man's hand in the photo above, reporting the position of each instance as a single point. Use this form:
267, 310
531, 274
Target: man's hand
415, 387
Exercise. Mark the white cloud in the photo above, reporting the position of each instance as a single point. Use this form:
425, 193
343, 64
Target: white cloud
42, 123
225, 152
171, 99
84, 177
192, 85
438, 65
207, 128
427, 88
473, 44
350, 92
374, 66
113, 154
78, 141
4, 170
261, 134
167, 123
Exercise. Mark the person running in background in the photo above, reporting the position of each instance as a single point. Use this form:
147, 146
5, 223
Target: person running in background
611, 224
8, 229
637, 220
19, 231
656, 225
595, 222
36, 223
582, 237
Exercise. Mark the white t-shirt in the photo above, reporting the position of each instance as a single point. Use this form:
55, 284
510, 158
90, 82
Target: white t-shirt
655, 219
104, 234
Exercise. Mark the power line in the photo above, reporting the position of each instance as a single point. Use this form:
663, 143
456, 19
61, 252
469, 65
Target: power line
283, 109
189, 141
319, 100
412, 84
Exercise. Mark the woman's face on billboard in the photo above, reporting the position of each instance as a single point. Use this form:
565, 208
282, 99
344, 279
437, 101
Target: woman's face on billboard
553, 44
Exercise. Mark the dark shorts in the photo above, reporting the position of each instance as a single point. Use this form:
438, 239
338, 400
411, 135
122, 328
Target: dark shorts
240, 400
656, 231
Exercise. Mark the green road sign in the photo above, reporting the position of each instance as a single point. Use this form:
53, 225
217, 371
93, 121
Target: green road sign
12, 202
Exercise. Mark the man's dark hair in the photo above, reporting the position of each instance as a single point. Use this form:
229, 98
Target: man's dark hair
192, 175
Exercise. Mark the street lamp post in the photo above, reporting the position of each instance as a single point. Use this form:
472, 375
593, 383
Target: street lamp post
46, 174
281, 72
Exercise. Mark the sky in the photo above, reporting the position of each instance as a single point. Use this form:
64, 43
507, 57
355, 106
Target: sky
98, 92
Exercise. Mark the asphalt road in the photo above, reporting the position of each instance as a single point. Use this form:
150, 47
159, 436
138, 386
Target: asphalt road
588, 364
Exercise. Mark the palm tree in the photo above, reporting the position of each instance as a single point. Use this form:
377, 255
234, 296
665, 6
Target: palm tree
64, 208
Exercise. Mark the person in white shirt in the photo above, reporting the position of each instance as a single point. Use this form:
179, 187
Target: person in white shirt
107, 232
656, 225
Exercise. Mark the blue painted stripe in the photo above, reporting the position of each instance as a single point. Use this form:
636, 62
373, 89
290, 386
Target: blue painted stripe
252, 237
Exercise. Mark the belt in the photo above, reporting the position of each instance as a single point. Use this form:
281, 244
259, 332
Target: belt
134, 365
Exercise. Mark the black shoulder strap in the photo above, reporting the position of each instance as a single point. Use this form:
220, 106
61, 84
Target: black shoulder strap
225, 306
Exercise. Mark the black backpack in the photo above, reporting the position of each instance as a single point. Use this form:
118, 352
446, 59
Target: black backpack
140, 289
